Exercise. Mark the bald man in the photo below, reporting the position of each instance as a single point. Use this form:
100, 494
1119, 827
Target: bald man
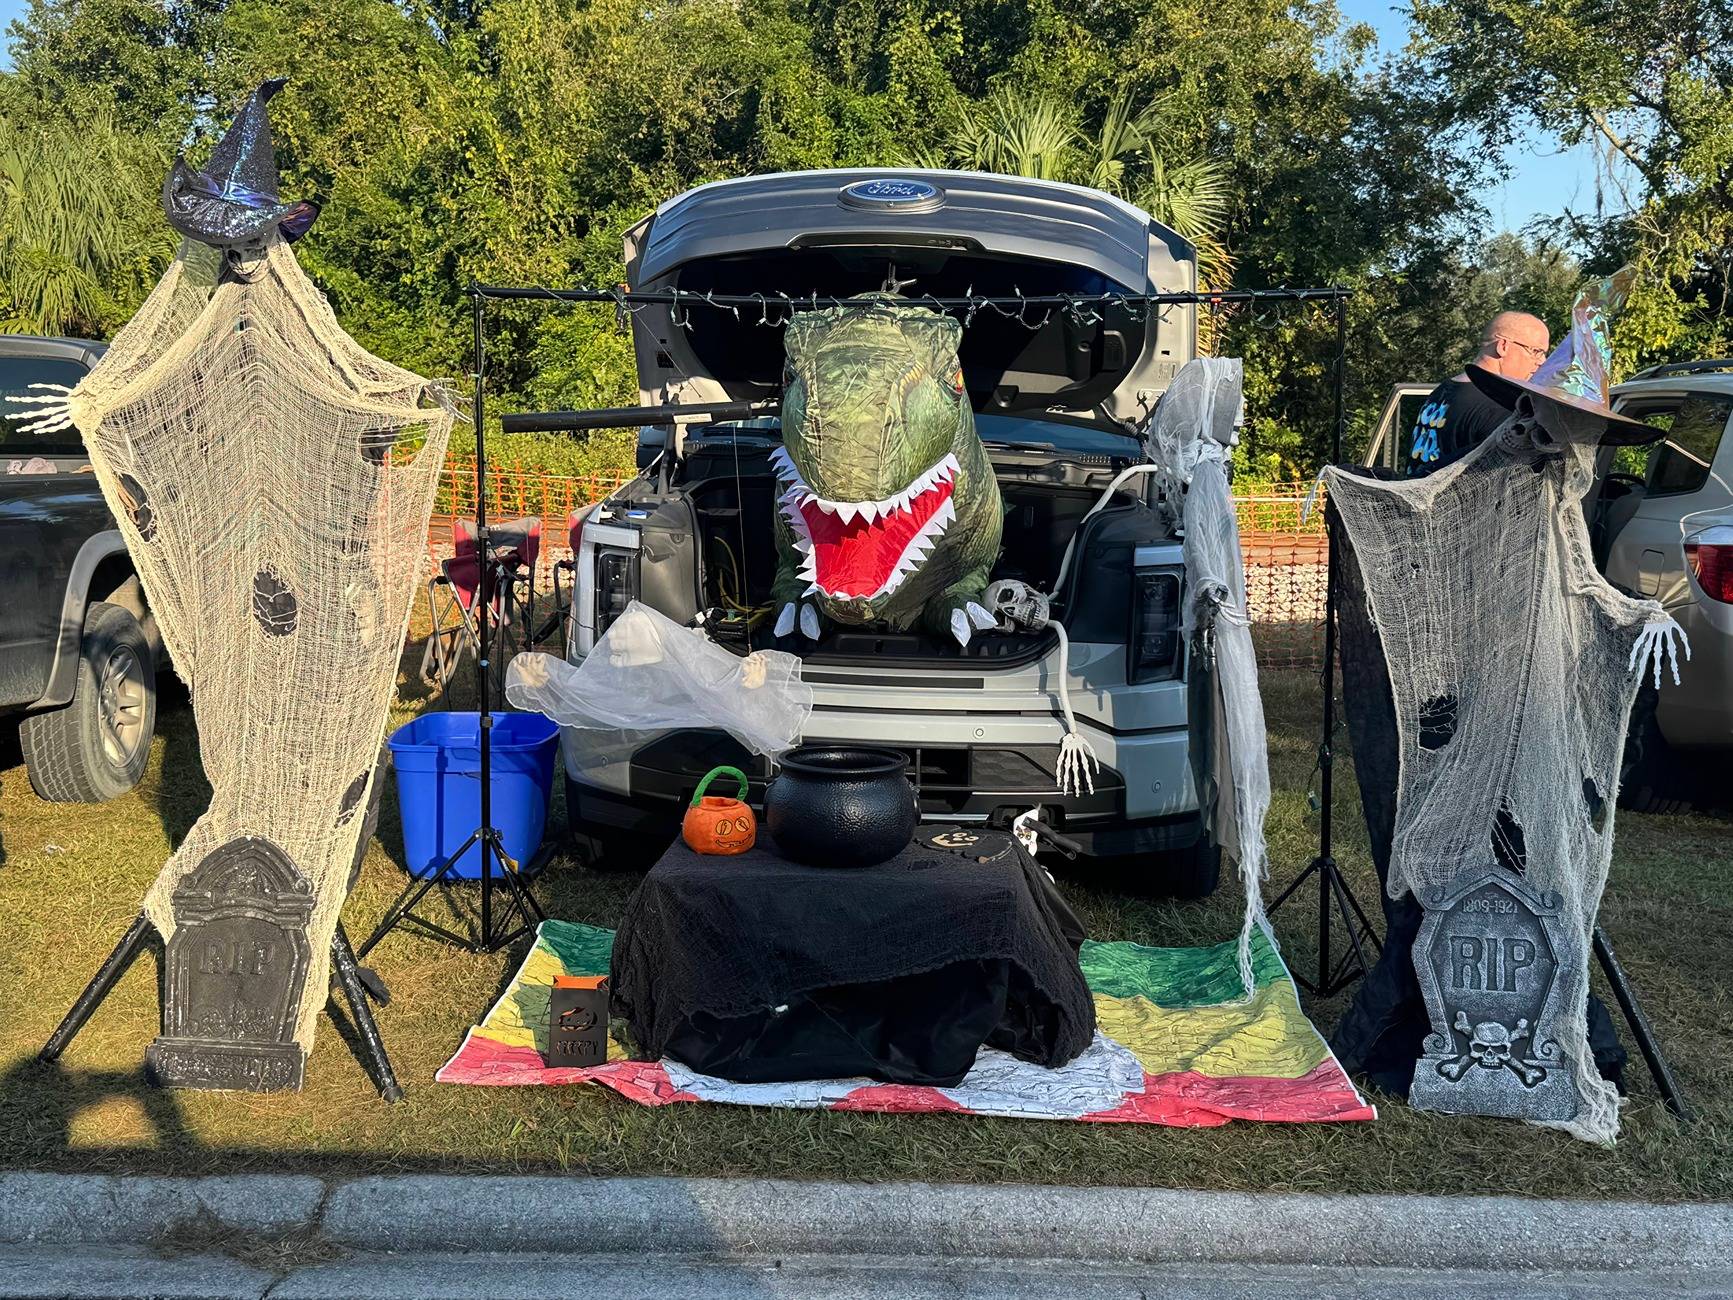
1457, 415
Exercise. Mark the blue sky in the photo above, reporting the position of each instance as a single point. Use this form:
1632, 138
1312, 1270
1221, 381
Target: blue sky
1543, 181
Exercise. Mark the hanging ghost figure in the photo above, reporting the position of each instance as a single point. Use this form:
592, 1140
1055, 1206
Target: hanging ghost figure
1512, 662
273, 481
1191, 437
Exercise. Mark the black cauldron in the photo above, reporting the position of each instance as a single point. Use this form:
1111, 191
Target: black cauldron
832, 806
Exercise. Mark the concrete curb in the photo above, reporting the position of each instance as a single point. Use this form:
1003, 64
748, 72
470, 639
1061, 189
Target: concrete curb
730, 1218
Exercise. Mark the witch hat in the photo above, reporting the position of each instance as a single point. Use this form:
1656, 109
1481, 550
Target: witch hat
1578, 373
234, 200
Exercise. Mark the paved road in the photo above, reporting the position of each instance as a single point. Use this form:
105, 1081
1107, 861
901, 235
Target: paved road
85, 1274
386, 1237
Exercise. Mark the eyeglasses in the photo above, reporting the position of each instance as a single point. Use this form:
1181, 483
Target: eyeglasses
1526, 347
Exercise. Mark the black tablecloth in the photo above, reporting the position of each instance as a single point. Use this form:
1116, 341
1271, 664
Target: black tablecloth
758, 969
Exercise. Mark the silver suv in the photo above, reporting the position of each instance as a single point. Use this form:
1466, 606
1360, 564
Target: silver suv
1661, 521
692, 535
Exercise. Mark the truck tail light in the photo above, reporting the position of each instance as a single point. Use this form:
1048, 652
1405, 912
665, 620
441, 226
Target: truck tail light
1155, 631
1710, 555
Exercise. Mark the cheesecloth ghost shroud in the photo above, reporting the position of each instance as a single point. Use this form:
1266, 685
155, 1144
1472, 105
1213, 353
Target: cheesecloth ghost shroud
1511, 667
1190, 436
244, 443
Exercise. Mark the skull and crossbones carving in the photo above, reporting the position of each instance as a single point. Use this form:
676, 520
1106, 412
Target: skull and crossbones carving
1491, 1046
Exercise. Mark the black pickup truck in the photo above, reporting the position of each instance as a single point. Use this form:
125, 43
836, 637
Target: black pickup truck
78, 647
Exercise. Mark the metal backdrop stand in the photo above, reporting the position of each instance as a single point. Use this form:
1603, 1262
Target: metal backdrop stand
1334, 893
343, 964
1641, 1030
493, 930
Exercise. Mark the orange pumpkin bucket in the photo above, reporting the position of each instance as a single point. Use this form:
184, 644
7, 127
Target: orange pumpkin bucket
717, 826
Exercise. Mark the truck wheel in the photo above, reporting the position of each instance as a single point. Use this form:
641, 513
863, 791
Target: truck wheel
1651, 779
95, 748
1193, 872
611, 848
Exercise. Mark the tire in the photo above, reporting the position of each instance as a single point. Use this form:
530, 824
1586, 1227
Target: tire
610, 848
96, 747
1189, 873
1651, 778
1194, 872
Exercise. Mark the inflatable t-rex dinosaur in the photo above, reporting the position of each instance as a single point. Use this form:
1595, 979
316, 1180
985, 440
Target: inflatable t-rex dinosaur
890, 513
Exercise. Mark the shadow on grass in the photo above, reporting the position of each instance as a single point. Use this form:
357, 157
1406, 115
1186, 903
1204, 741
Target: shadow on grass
45, 1096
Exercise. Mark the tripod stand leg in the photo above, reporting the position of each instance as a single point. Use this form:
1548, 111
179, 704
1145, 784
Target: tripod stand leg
1294, 885
349, 976
521, 901
106, 977
1641, 1030
412, 894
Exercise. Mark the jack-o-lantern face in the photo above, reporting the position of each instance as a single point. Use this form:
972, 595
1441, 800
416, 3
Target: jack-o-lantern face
717, 826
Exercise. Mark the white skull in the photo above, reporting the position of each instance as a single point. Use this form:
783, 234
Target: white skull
1016, 604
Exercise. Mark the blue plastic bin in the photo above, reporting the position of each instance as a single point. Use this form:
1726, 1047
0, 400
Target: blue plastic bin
437, 758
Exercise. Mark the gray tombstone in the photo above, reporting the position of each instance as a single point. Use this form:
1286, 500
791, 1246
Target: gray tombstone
234, 973
1490, 956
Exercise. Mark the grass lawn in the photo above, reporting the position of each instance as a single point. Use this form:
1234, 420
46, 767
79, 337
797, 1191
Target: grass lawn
73, 876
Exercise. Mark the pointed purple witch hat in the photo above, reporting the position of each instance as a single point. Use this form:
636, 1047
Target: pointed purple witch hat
234, 200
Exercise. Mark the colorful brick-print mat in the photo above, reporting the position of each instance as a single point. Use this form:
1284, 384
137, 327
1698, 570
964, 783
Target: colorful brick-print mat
1172, 1046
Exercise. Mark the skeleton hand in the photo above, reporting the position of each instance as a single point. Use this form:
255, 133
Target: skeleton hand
807, 614
1077, 765
53, 412
965, 622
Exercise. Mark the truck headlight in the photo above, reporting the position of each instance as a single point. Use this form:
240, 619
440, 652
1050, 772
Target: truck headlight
616, 585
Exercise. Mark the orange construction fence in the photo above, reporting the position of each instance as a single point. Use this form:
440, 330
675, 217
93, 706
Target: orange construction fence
1286, 556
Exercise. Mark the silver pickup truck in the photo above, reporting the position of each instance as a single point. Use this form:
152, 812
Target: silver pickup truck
1058, 408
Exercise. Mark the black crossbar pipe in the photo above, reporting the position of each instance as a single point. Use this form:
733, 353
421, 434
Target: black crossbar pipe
629, 417
810, 301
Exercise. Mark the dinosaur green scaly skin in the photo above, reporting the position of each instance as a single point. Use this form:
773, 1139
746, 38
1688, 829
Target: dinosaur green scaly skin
889, 513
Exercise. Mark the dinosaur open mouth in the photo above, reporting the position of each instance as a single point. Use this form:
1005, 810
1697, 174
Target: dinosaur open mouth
860, 550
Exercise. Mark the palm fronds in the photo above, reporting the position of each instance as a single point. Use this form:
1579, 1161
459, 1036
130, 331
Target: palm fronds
1019, 133
81, 235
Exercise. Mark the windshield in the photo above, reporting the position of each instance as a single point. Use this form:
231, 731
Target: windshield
1055, 434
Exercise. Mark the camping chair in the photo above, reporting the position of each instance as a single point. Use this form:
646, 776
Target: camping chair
453, 593
560, 615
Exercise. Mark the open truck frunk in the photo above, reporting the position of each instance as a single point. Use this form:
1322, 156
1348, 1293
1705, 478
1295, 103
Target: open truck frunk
1059, 401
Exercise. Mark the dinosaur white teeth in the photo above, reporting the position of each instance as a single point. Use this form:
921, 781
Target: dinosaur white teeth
797, 497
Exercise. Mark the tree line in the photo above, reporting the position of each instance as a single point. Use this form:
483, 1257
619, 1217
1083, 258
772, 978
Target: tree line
515, 140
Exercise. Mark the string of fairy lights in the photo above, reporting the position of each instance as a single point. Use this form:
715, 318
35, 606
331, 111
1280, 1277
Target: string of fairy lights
774, 310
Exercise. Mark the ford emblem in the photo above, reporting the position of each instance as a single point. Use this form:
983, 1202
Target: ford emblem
892, 194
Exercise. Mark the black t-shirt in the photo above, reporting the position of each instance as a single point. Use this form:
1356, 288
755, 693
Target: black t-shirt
1457, 415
